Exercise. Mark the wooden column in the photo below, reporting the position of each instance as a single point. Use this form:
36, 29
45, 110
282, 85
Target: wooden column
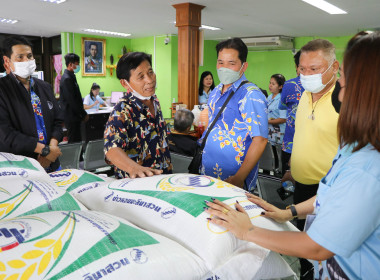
188, 21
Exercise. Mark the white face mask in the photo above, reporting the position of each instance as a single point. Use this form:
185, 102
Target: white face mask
313, 83
24, 69
228, 76
136, 94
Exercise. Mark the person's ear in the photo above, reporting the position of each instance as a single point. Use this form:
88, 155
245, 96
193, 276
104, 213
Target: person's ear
7, 62
335, 66
125, 85
245, 66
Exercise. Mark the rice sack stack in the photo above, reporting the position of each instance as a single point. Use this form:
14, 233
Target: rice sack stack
25, 188
172, 205
89, 245
72, 179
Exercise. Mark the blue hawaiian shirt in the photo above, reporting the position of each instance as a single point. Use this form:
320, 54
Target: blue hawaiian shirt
244, 117
142, 136
290, 97
275, 131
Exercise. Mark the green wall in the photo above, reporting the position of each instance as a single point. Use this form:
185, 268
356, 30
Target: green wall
261, 64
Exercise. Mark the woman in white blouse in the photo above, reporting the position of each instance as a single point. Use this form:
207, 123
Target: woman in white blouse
92, 101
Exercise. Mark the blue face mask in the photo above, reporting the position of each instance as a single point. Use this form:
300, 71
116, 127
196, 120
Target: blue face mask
77, 69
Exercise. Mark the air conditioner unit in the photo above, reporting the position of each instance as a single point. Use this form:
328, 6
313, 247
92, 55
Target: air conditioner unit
269, 43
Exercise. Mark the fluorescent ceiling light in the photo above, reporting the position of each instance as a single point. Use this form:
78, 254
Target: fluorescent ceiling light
9, 21
210, 27
54, 1
107, 32
325, 6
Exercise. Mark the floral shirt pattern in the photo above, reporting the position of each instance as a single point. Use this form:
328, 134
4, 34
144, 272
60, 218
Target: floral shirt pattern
244, 117
136, 131
290, 97
37, 109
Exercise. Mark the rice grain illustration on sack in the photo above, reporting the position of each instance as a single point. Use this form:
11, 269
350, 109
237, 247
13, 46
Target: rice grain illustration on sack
56, 245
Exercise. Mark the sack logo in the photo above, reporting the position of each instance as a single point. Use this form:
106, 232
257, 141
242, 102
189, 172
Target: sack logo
139, 256
23, 173
12, 235
168, 212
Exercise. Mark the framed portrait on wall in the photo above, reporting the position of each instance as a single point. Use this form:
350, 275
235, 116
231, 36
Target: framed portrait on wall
93, 57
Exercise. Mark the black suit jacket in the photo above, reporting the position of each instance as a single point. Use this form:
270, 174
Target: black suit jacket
70, 98
18, 129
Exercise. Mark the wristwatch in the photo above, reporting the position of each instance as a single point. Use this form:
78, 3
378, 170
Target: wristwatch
45, 151
293, 210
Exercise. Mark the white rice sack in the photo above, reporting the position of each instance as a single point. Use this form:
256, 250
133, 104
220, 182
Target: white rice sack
22, 194
172, 205
71, 179
19, 166
90, 245
274, 267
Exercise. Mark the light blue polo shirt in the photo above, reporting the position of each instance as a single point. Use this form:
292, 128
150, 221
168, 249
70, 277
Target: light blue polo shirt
348, 212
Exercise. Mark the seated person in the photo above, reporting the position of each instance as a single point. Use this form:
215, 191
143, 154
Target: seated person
92, 101
180, 141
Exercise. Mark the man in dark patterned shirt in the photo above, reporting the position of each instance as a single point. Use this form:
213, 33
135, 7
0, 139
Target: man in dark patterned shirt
135, 138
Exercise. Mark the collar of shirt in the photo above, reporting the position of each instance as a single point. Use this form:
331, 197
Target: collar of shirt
71, 74
270, 99
31, 81
139, 102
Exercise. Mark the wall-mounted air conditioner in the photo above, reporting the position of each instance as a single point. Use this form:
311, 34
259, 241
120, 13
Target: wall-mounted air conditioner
269, 43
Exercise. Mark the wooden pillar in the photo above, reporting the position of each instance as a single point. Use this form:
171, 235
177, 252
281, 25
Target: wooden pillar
188, 21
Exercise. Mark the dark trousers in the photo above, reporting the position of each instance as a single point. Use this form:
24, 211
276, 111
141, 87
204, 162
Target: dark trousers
74, 132
285, 157
303, 192
276, 163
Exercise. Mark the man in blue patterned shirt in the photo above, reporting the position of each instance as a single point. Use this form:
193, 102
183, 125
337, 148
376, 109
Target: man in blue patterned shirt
135, 137
239, 136
290, 97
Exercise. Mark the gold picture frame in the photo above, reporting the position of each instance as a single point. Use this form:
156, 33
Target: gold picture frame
93, 57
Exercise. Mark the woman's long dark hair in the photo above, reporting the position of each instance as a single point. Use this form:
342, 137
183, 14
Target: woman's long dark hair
93, 87
203, 76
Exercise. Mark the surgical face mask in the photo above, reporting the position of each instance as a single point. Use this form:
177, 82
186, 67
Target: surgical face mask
136, 94
24, 69
313, 83
228, 76
77, 69
335, 97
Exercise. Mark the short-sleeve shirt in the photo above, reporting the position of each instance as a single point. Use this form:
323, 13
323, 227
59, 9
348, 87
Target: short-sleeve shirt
348, 212
202, 99
315, 139
142, 136
275, 131
290, 97
89, 101
245, 117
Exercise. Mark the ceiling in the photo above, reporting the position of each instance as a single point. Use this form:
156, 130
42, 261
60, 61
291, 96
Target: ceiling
142, 18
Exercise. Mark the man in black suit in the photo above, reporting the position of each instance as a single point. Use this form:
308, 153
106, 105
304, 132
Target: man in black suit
71, 99
30, 118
